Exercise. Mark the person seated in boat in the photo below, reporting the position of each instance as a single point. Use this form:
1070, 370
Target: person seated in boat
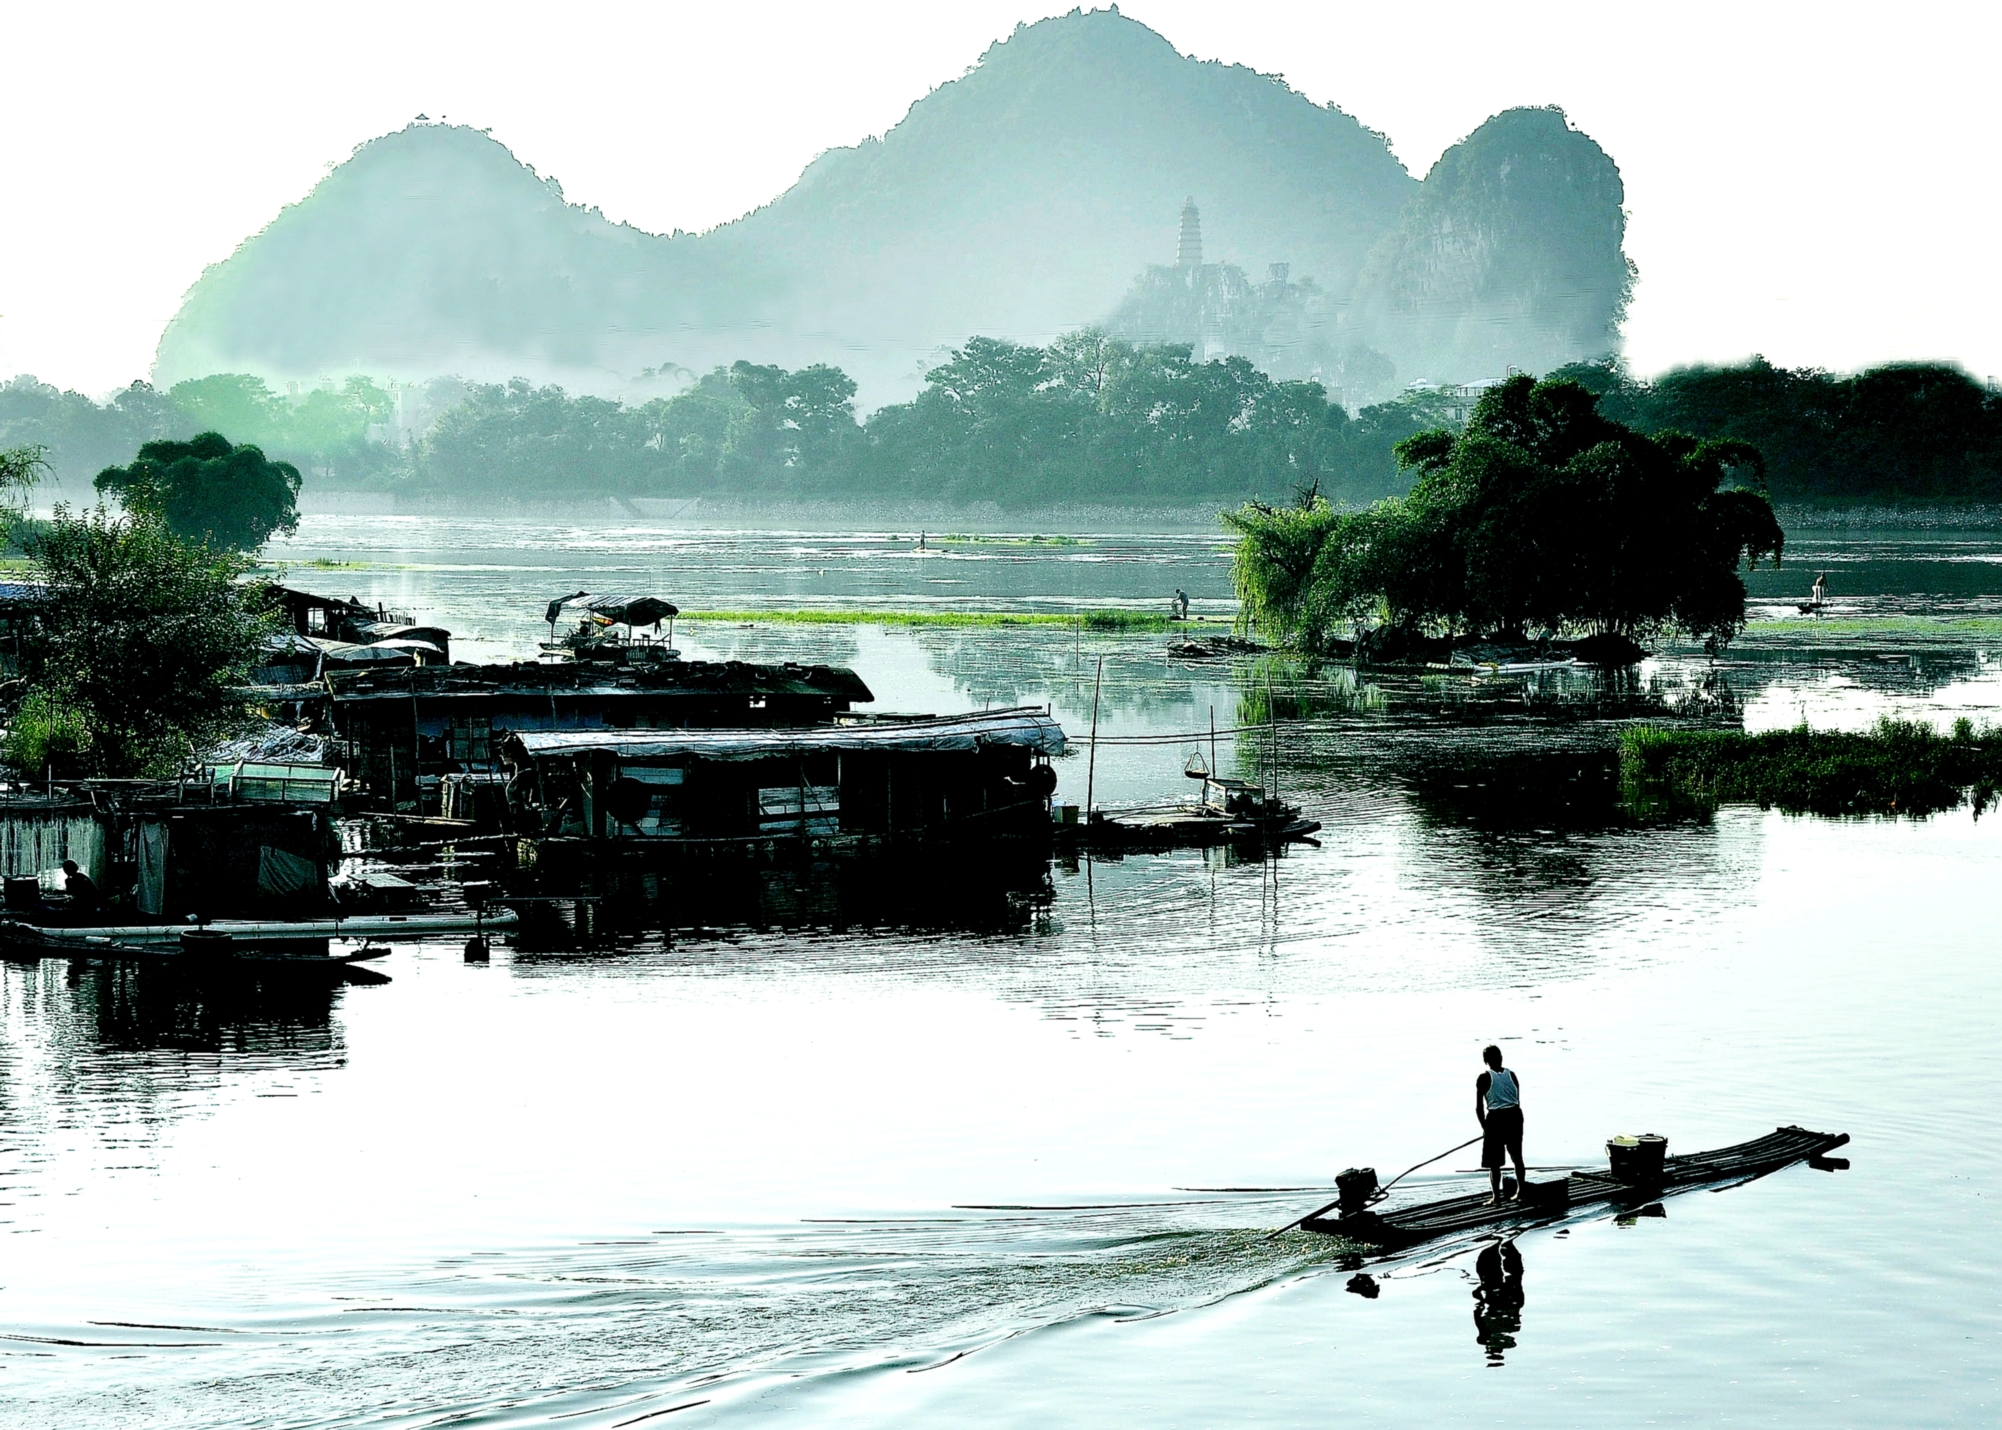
1498, 1105
84, 897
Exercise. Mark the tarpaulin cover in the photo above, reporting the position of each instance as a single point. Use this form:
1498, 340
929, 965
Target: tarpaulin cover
282, 874
1030, 729
631, 610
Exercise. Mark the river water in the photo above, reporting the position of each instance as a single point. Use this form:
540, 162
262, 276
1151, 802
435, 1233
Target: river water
1002, 1146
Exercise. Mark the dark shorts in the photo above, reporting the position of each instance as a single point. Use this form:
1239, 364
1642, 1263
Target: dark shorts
1504, 1136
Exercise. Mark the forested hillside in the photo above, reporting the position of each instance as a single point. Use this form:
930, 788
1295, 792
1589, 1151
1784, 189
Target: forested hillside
1904, 432
1087, 418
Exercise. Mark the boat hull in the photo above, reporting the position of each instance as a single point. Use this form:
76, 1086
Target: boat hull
43, 940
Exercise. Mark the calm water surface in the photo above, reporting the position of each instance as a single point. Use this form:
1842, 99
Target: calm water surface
945, 1145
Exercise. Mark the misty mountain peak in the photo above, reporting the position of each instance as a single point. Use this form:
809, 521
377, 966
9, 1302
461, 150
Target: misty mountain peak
1018, 200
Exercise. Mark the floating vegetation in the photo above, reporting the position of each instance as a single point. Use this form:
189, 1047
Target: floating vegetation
1901, 767
1095, 620
961, 539
1882, 625
327, 563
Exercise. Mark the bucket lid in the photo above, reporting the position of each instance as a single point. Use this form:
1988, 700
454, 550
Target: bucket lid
1650, 1137
1623, 1140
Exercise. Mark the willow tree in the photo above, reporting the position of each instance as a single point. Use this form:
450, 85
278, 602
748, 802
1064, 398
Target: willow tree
1543, 517
206, 489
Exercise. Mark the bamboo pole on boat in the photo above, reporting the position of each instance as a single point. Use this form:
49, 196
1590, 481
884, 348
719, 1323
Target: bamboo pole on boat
1091, 762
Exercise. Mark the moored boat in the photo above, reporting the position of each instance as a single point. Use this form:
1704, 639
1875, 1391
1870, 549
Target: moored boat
24, 938
1228, 811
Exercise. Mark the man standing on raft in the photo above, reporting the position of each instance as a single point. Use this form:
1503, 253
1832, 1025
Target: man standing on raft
1498, 1106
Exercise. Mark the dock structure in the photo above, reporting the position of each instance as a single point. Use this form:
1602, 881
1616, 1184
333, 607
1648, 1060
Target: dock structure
982, 776
403, 731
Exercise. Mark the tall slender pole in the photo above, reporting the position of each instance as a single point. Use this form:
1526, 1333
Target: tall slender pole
1091, 764
1212, 742
1272, 719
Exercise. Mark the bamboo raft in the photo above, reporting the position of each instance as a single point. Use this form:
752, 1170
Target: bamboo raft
1550, 1201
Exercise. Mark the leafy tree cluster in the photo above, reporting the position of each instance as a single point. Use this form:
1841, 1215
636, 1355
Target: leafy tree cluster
1904, 432
1086, 418
131, 661
208, 490
336, 434
745, 428
1544, 516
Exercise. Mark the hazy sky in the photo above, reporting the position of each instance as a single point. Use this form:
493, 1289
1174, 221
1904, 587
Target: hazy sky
1814, 182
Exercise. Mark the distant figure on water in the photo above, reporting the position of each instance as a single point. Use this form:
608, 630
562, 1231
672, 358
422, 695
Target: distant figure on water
1181, 604
1820, 587
1498, 1105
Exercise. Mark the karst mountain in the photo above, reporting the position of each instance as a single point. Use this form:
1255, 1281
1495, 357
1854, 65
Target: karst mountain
1042, 191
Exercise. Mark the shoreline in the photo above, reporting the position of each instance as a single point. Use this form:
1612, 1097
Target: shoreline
721, 513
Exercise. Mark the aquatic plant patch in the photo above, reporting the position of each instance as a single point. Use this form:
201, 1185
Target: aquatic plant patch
1098, 620
1887, 624
1901, 767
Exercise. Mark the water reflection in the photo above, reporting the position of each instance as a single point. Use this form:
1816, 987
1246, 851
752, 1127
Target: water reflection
918, 891
141, 1007
1498, 1298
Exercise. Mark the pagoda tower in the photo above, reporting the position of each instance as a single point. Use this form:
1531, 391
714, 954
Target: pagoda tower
1191, 254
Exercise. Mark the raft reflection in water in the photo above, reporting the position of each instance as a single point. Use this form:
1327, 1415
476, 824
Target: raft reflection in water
1498, 1298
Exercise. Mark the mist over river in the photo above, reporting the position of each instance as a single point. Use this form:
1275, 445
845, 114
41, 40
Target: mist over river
944, 1145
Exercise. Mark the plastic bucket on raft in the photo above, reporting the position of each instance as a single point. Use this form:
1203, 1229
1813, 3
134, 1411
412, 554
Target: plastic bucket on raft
1637, 1161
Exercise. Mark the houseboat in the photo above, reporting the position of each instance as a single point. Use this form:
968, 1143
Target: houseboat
853, 784
404, 731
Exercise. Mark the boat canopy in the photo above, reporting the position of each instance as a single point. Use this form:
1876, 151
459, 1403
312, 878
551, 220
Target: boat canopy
376, 632
1027, 728
375, 653
616, 610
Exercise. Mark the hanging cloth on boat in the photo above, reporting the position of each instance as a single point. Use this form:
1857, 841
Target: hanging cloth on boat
151, 893
282, 875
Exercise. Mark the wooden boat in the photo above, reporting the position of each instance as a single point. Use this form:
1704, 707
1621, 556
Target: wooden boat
1549, 1201
201, 952
22, 933
1227, 812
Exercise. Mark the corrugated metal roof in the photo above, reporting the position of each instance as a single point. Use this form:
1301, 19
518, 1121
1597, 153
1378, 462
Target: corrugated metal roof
1027, 728
592, 678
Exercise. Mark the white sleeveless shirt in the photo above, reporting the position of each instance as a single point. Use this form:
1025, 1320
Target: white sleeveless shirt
1502, 1090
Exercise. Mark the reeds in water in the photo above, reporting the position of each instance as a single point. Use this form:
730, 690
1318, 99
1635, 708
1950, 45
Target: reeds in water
1902, 767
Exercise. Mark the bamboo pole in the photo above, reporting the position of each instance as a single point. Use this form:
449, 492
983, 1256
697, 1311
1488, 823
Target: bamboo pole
1272, 719
1091, 764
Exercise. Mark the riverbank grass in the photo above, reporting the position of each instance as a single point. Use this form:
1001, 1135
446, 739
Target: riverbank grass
1096, 620
1901, 767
